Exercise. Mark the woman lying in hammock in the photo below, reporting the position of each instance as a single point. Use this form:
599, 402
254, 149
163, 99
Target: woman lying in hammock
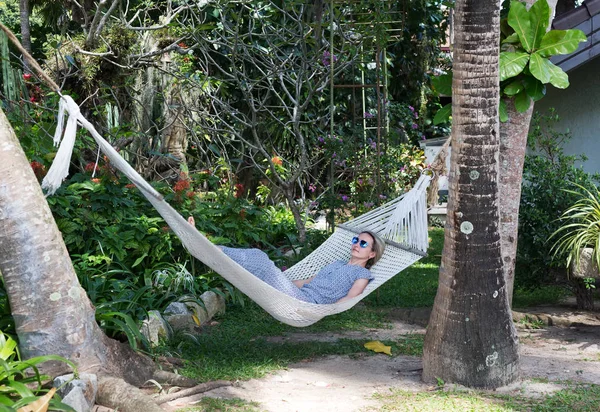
335, 282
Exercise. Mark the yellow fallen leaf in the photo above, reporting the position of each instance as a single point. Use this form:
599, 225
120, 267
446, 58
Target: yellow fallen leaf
41, 405
378, 347
196, 320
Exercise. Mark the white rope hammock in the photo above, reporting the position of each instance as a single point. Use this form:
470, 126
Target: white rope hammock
401, 222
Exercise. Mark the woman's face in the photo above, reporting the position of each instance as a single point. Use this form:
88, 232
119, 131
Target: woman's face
362, 247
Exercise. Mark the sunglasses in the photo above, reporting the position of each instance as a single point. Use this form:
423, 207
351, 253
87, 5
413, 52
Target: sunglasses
363, 243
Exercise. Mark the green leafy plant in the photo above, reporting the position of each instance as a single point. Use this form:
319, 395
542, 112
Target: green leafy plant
546, 194
21, 383
525, 51
581, 228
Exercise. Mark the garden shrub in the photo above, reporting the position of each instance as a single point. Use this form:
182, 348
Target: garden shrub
547, 173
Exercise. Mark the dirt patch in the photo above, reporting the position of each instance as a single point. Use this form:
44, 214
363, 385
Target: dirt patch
343, 383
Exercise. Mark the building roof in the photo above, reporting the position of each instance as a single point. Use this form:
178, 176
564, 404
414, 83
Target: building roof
587, 19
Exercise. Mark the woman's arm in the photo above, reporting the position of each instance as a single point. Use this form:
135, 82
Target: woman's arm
302, 282
357, 288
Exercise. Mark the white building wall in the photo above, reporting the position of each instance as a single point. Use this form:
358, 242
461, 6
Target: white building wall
578, 107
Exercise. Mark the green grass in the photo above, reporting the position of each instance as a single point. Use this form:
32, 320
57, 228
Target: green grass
223, 405
237, 348
524, 298
580, 398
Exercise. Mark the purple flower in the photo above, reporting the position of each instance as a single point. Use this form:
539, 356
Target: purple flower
423, 136
326, 60
373, 145
368, 115
382, 197
334, 155
320, 139
345, 198
283, 268
368, 204
412, 109
415, 126
360, 182
312, 187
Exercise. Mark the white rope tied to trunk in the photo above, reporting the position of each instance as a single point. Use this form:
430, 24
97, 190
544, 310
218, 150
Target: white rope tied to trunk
402, 223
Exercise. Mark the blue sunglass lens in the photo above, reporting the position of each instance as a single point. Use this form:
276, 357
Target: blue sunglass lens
363, 243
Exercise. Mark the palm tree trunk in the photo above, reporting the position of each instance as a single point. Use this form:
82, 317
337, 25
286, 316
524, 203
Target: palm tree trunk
471, 339
25, 31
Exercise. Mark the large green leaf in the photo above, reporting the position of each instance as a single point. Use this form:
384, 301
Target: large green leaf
522, 102
538, 66
534, 88
513, 88
502, 112
539, 16
518, 19
558, 77
512, 64
560, 42
546, 72
443, 84
443, 115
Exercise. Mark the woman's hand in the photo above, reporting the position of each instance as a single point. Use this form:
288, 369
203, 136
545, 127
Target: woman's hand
357, 288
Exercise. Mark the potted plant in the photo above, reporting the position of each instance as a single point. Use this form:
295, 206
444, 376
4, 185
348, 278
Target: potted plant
579, 241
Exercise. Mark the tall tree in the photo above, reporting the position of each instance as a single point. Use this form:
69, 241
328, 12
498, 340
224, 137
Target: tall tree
25, 30
513, 144
471, 339
52, 312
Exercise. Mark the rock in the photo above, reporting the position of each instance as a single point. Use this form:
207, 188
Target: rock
587, 267
212, 304
80, 393
156, 329
177, 308
76, 400
182, 323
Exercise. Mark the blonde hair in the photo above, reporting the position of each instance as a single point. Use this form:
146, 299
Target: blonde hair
378, 247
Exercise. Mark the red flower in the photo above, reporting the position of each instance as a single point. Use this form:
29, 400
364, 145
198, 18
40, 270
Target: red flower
190, 194
38, 169
277, 160
181, 185
26, 76
96, 180
239, 190
129, 186
32, 99
91, 167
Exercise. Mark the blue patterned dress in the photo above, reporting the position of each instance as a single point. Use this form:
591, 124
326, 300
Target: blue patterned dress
329, 285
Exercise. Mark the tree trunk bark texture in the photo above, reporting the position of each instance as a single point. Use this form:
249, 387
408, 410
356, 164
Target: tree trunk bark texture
52, 312
25, 30
513, 144
471, 339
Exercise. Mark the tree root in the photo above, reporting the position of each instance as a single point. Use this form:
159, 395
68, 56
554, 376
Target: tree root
170, 378
204, 387
117, 394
